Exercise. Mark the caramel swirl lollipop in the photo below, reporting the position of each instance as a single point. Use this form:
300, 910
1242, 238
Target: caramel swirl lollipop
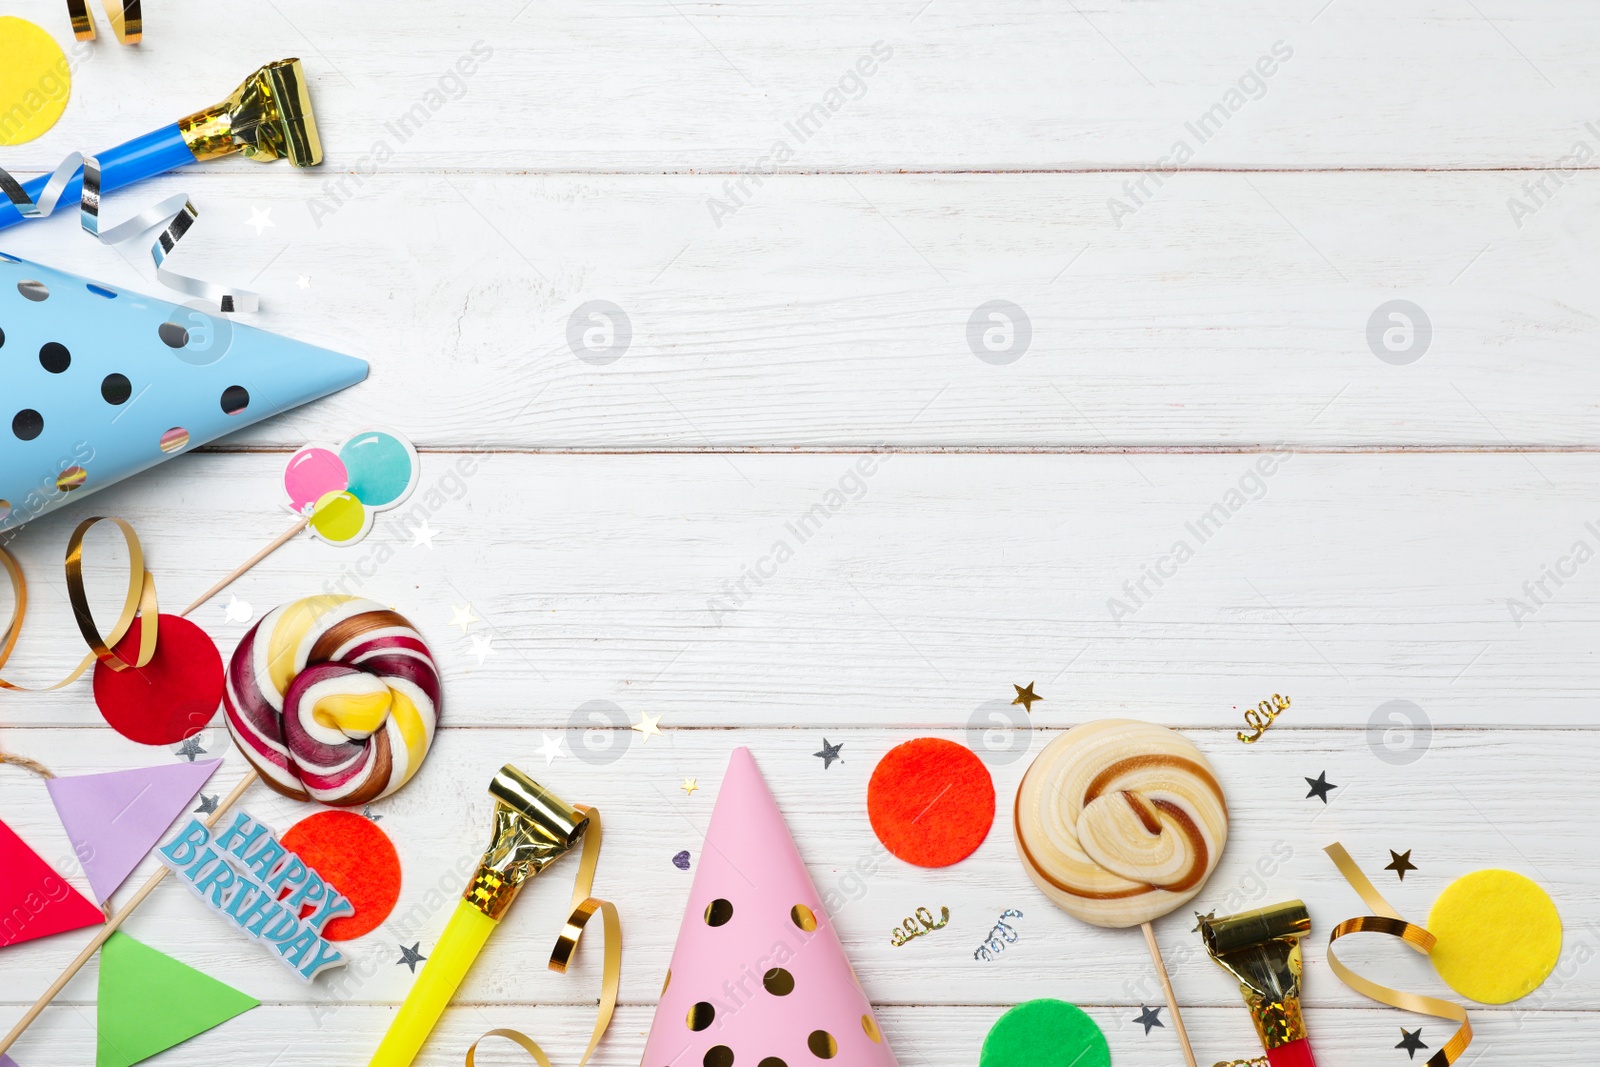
1120, 822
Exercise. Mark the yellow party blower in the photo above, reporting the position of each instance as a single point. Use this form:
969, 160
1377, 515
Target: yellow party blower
532, 828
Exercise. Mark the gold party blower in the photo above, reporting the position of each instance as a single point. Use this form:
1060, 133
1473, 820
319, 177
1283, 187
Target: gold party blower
268, 117
1261, 949
532, 828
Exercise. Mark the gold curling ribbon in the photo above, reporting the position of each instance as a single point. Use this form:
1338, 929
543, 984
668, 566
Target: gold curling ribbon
126, 17
583, 908
140, 601
1388, 921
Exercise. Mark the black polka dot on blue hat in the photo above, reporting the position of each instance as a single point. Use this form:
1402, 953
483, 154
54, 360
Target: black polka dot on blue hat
98, 383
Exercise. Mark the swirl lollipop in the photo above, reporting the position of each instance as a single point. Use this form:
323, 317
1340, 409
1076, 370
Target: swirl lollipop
333, 698
1120, 822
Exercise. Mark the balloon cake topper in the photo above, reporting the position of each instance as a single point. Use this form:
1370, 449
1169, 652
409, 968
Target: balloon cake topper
338, 488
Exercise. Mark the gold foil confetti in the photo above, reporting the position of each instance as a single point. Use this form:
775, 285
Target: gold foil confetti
1261, 717
1025, 696
923, 919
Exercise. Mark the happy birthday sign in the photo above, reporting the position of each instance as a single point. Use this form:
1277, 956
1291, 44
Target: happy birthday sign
250, 879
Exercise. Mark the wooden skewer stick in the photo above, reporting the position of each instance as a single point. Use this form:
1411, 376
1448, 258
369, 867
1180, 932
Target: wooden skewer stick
281, 540
116, 920
1166, 987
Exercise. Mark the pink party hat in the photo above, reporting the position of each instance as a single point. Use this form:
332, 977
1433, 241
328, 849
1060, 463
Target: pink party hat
114, 819
759, 977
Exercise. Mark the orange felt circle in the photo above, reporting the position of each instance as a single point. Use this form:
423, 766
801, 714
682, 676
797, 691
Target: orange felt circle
931, 802
356, 858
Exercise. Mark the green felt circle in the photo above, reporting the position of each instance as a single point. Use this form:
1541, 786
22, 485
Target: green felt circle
1045, 1033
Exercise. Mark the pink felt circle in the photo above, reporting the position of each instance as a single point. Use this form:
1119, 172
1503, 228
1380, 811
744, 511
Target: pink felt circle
312, 473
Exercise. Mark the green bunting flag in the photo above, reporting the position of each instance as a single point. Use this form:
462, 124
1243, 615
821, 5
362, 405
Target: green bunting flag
150, 1002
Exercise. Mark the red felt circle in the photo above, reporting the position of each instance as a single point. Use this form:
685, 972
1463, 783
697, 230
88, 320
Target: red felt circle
356, 858
172, 697
931, 802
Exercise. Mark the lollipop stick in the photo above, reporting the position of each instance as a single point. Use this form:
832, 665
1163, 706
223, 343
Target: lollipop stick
281, 540
116, 920
1166, 987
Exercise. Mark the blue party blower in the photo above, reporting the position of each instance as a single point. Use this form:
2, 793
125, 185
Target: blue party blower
268, 117
98, 383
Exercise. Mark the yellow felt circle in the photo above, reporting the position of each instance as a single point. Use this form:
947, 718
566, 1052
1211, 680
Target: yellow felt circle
1499, 936
34, 81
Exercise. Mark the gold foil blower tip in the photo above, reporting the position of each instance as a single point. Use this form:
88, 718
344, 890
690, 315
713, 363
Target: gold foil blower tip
532, 828
268, 117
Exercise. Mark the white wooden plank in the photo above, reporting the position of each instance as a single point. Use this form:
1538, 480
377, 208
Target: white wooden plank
920, 1036
830, 312
834, 310
917, 593
969, 84
1476, 799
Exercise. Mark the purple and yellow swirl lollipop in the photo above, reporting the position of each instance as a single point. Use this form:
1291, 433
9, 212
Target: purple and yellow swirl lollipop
334, 699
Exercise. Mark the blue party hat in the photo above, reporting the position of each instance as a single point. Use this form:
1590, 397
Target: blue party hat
98, 383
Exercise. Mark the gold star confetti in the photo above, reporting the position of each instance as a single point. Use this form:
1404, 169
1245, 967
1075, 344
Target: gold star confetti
463, 617
647, 725
689, 786
1025, 697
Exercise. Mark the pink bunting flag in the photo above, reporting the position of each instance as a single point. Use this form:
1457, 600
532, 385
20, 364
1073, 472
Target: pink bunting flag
114, 819
35, 901
759, 974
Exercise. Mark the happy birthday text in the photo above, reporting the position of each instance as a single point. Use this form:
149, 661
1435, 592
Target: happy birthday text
250, 879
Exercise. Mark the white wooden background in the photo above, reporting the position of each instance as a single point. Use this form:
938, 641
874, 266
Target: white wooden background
610, 508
